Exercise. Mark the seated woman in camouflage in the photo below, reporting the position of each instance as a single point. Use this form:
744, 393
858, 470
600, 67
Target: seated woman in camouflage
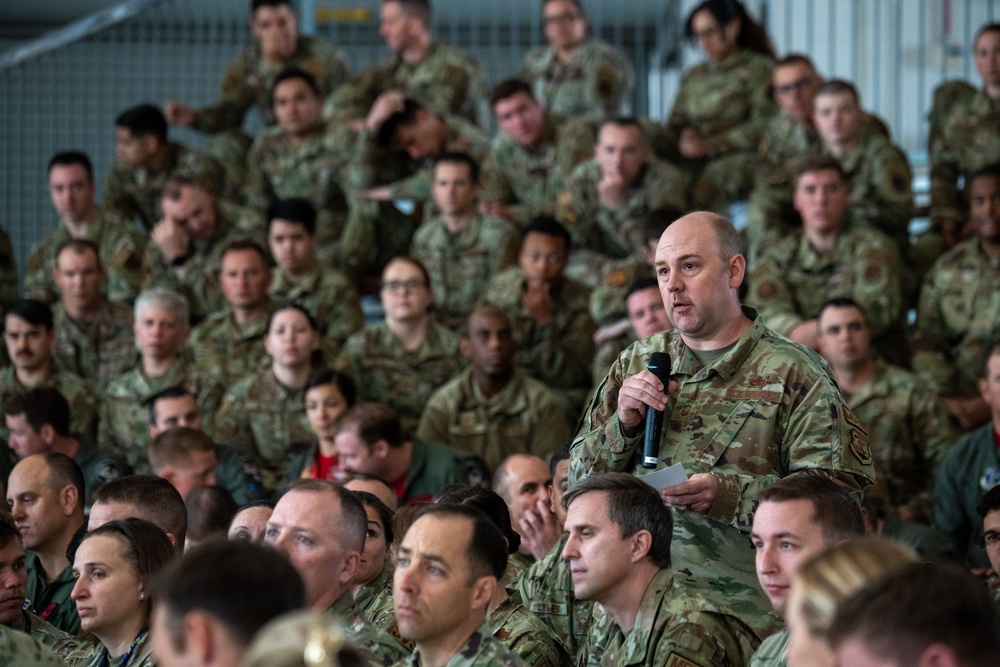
373, 580
264, 413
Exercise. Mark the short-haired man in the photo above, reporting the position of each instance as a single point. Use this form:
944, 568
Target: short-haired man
186, 244
185, 458
94, 336
320, 528
608, 198
461, 248
768, 408
230, 342
71, 188
327, 293
619, 557
45, 494
532, 155
829, 256
988, 509
645, 315
370, 439
142, 497
922, 614
146, 160
30, 336
575, 74
523, 481
797, 517
548, 313
39, 422
908, 426
493, 409
211, 601
449, 565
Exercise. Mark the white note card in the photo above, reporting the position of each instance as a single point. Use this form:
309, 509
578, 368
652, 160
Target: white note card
670, 476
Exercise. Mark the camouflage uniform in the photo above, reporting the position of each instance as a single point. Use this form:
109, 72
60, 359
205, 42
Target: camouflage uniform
446, 80
18, 648
134, 192
51, 599
673, 627
8, 275
524, 635
548, 589
957, 319
528, 180
374, 599
729, 103
264, 417
99, 466
607, 306
596, 83
330, 298
90, 652
124, 423
793, 281
121, 248
523, 417
601, 234
434, 466
225, 350
40, 630
83, 402
481, 650
461, 265
764, 410
773, 651
517, 565
98, 350
557, 352
314, 170
377, 647
383, 371
200, 282
910, 430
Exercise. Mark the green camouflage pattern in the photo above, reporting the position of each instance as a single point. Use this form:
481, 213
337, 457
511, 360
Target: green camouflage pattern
40, 630
525, 417
674, 628
957, 319
98, 350
83, 402
121, 248
461, 265
773, 651
374, 599
524, 635
481, 650
88, 651
18, 648
51, 598
330, 297
529, 180
447, 80
124, 426
596, 83
383, 371
225, 350
377, 647
764, 410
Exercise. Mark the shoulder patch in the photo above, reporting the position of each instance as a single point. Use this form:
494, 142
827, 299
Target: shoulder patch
766, 290
859, 445
873, 272
674, 660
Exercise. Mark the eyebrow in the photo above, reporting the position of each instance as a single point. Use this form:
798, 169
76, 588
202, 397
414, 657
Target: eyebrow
431, 557
660, 262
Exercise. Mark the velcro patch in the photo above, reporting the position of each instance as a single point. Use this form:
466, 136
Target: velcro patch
674, 660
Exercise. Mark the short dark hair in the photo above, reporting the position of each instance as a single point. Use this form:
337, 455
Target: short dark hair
549, 226
486, 551
174, 447
79, 247
992, 350
384, 513
795, 59
412, 261
814, 163
457, 157
146, 548
297, 307
558, 456
243, 585
68, 158
151, 498
35, 313
210, 510
293, 72
835, 510
373, 422
295, 210
169, 392
989, 27
407, 116
989, 171
257, 4
421, 9
839, 87
354, 521
917, 605
246, 245
143, 121
341, 381
41, 406
842, 302
509, 88
63, 472
633, 505
8, 530
489, 503
623, 122
658, 220
641, 284
989, 502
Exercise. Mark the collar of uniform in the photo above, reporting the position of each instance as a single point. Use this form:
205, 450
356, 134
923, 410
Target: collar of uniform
34, 570
878, 387
658, 591
254, 329
344, 606
685, 363
375, 586
511, 400
288, 290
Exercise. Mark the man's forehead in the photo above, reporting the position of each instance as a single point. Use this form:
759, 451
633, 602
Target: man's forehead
30, 474
840, 315
443, 537
792, 71
788, 517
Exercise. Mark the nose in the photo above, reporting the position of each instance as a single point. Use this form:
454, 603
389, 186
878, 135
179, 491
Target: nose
766, 564
17, 510
79, 591
569, 551
211, 479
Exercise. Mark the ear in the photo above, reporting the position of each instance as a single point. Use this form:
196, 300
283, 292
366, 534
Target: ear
984, 389
483, 590
737, 269
380, 449
732, 29
642, 542
47, 433
151, 143
70, 499
465, 348
938, 655
153, 432
200, 637
351, 563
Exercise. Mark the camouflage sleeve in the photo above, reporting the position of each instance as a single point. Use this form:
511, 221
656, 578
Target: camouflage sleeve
746, 135
257, 191
601, 446
37, 278
507, 248
615, 81
235, 97
946, 200
560, 349
576, 210
209, 397
932, 340
345, 319
433, 426
358, 243
888, 202
232, 423
125, 267
551, 431
878, 273
352, 99
933, 426
417, 186
116, 197
362, 169
84, 414
495, 185
771, 294
665, 137
701, 639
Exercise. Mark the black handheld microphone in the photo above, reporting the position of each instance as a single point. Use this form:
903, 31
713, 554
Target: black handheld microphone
659, 365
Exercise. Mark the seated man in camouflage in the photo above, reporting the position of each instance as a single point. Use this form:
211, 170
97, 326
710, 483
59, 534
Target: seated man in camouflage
619, 553
549, 314
94, 337
303, 157
830, 257
30, 337
524, 481
327, 293
371, 440
607, 199
645, 316
574, 74
121, 247
142, 497
493, 409
909, 427
230, 343
145, 160
958, 314
532, 155
461, 248
186, 245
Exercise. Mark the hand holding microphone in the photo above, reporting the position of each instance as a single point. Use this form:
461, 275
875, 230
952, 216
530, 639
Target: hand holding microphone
659, 365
